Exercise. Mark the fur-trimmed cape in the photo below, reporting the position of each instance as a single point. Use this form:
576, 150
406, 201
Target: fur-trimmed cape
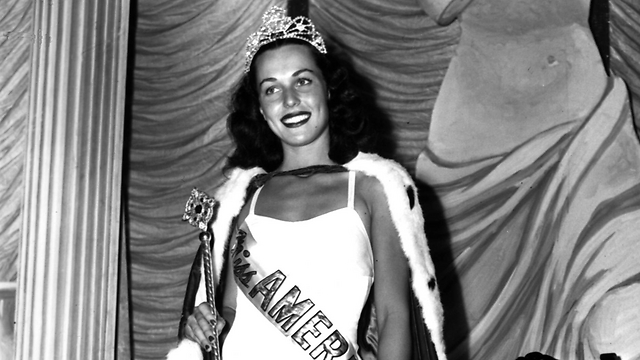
407, 217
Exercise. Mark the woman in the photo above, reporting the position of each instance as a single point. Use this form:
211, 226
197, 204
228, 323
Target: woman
312, 227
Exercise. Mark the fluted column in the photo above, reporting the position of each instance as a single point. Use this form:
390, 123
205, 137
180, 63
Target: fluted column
68, 275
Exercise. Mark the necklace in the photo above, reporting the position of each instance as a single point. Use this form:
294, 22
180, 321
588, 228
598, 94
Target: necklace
304, 172
311, 170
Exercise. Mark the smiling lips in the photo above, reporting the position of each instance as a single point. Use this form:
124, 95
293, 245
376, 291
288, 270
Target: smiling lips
297, 119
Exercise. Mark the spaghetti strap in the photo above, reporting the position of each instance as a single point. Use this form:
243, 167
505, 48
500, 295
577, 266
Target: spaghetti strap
352, 188
254, 200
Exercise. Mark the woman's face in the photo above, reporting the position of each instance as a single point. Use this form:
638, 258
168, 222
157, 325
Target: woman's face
293, 95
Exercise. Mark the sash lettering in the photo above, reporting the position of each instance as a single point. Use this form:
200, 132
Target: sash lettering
288, 309
334, 345
310, 327
268, 287
317, 336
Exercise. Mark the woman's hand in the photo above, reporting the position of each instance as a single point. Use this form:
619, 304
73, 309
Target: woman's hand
199, 326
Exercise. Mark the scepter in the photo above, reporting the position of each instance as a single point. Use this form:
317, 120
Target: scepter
199, 211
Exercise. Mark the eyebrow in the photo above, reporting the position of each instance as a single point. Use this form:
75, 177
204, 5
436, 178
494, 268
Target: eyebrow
298, 72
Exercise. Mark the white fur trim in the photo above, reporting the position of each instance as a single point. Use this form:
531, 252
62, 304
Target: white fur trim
186, 350
409, 223
231, 196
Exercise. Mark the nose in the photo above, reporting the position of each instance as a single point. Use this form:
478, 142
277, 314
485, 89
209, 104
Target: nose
291, 98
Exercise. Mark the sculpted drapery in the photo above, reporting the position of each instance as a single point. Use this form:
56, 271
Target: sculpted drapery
545, 242
533, 157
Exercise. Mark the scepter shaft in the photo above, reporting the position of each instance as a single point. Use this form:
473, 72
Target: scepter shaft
199, 211
206, 238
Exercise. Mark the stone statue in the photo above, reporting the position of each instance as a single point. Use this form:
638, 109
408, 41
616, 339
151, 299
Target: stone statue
534, 159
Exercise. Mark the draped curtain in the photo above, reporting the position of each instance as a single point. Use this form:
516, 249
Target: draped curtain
188, 56
15, 21
15, 38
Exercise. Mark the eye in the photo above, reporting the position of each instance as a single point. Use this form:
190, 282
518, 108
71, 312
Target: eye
271, 90
303, 81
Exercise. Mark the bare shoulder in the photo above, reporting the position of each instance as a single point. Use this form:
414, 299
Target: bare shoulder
371, 201
365, 183
370, 188
380, 177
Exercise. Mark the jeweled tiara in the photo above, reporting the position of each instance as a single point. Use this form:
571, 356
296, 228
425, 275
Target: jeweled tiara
277, 25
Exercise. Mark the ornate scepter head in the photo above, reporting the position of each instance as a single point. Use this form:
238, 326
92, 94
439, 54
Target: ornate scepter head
200, 209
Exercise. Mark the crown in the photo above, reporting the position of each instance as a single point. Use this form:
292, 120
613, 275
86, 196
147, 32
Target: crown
275, 26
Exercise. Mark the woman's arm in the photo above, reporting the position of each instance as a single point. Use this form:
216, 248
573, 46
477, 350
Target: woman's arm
391, 283
199, 324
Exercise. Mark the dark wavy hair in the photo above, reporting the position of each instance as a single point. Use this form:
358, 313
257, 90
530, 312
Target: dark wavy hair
257, 145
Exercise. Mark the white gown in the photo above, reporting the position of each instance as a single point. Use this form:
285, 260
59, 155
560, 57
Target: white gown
328, 259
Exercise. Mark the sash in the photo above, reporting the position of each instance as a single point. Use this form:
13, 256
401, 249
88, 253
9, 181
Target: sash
303, 321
